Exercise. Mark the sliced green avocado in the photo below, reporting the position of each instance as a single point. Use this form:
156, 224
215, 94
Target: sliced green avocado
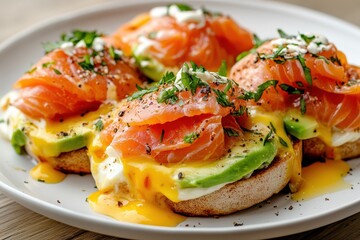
247, 156
51, 145
152, 68
300, 126
18, 141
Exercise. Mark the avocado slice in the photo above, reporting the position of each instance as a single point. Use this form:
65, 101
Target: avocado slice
152, 68
248, 155
51, 145
300, 126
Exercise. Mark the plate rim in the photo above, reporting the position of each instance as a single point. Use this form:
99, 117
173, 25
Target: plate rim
20, 196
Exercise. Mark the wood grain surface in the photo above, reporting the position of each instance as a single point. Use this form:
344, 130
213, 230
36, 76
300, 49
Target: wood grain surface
17, 222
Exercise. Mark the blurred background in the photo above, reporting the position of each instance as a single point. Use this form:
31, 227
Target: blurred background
17, 15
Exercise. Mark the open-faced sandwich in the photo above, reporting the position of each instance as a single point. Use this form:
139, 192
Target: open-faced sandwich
53, 110
315, 89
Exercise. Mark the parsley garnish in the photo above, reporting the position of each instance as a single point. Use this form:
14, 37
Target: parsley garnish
75, 37
290, 89
282, 34
222, 99
268, 136
239, 111
99, 125
257, 43
307, 71
231, 132
142, 92
190, 138
307, 39
283, 142
260, 90
32, 70
181, 7
168, 96
302, 105
167, 78
78, 35
113, 54
48, 64
56, 71
223, 69
87, 64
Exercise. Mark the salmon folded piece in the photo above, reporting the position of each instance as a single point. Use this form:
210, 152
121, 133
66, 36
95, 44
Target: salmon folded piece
312, 74
168, 36
183, 118
75, 76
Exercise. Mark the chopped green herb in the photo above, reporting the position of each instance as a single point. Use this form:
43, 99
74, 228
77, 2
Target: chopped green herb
32, 70
168, 96
142, 92
290, 89
257, 43
182, 7
162, 135
167, 78
113, 54
77, 35
56, 71
306, 38
197, 68
223, 69
242, 55
268, 136
239, 111
282, 34
283, 142
222, 99
191, 82
47, 64
231, 132
99, 125
272, 127
87, 64
190, 138
18, 141
302, 105
307, 71
260, 90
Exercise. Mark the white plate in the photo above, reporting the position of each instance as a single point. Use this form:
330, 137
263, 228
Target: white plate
65, 202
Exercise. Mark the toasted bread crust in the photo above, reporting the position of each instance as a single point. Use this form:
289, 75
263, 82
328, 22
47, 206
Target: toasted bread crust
71, 162
241, 194
315, 148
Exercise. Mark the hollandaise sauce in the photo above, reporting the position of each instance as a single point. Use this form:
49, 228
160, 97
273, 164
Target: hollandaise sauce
321, 178
134, 211
44, 172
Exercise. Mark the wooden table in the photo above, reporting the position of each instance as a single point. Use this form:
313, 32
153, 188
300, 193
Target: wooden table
17, 222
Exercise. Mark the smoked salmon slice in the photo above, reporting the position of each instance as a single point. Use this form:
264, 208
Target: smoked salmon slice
73, 79
193, 126
173, 35
312, 75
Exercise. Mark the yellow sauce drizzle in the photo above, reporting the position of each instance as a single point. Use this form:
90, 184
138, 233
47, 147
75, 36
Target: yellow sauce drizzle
321, 178
134, 211
44, 172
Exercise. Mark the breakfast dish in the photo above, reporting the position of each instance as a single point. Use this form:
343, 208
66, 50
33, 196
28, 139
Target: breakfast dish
152, 145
